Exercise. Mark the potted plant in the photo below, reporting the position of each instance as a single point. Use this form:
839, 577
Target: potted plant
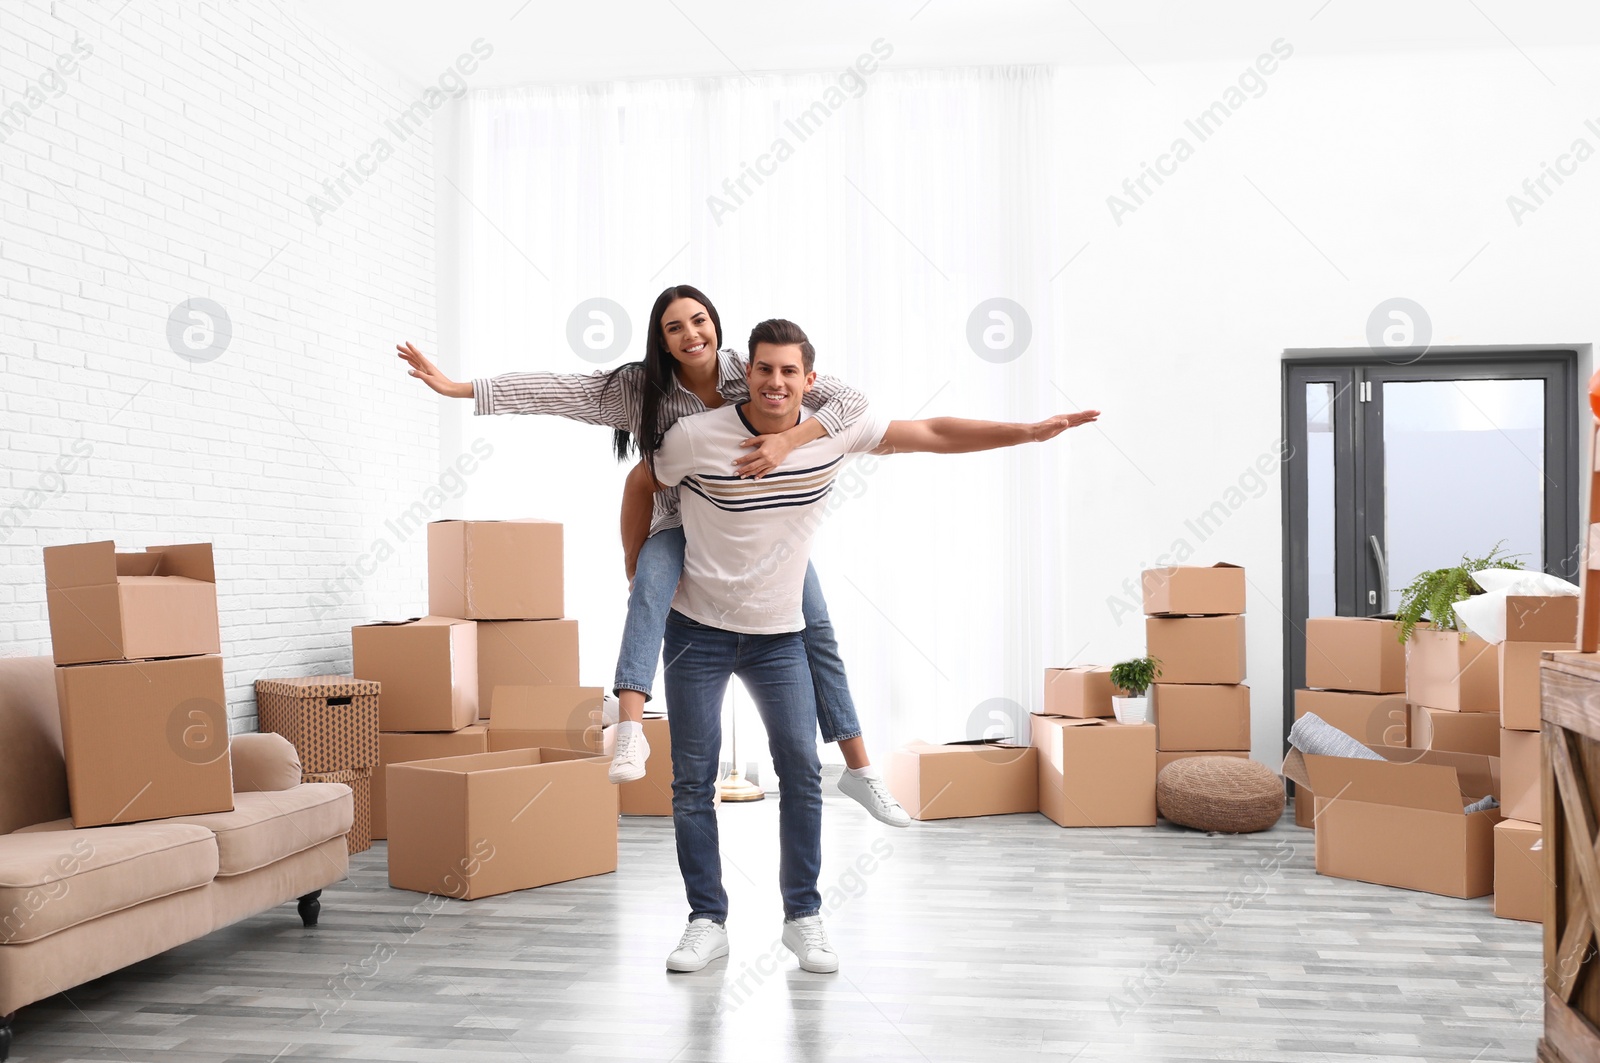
1433, 595
1133, 678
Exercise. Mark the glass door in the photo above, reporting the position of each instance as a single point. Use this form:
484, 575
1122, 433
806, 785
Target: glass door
1398, 469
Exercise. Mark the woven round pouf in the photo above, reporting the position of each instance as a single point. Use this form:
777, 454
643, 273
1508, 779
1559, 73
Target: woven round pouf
1224, 794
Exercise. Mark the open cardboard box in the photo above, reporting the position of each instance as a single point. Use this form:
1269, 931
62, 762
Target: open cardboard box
1401, 821
110, 606
426, 745
490, 823
976, 778
1372, 719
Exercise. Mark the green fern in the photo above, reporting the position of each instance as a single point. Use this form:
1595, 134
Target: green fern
1434, 594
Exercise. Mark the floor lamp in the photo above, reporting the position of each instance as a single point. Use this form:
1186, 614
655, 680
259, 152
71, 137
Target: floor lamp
736, 787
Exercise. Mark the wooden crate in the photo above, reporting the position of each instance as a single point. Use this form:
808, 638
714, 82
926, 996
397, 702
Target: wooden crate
1570, 711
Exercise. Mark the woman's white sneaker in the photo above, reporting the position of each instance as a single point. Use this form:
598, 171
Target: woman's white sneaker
871, 793
806, 938
703, 941
627, 764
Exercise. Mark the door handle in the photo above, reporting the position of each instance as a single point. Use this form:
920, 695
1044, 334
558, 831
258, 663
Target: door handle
1383, 574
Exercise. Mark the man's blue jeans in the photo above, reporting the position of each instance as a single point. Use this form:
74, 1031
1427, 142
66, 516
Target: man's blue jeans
700, 660
655, 581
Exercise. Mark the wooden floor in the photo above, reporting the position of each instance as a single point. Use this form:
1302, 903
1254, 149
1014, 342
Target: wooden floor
985, 939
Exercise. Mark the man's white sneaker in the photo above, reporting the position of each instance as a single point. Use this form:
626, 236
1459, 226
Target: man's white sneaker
874, 796
627, 764
702, 942
806, 938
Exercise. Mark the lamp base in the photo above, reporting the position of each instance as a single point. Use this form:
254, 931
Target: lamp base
737, 788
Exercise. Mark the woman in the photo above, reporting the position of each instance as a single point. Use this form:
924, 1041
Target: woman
683, 372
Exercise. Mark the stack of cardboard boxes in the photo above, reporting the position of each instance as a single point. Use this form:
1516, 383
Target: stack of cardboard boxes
1092, 770
1194, 626
1356, 667
332, 722
139, 681
1533, 625
490, 776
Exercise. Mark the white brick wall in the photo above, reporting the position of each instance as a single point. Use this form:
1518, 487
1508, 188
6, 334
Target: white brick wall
171, 156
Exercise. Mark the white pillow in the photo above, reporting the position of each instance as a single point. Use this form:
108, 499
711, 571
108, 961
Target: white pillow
1520, 581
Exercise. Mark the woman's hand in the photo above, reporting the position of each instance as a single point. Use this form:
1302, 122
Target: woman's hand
1054, 426
769, 452
429, 374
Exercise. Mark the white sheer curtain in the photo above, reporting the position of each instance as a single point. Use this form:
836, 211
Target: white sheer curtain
903, 208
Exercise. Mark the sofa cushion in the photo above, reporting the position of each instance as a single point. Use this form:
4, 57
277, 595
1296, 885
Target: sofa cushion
265, 827
53, 877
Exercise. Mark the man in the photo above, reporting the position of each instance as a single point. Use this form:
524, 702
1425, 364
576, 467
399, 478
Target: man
737, 611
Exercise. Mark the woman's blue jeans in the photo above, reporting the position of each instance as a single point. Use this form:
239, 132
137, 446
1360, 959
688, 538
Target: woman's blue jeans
655, 581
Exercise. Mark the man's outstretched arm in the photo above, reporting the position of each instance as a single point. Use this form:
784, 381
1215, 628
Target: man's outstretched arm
957, 435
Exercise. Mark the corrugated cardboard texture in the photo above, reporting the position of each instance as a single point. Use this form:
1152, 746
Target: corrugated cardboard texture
1197, 649
1519, 871
1083, 692
1520, 765
332, 720
1360, 654
1456, 732
1190, 718
145, 739
1096, 773
495, 569
1445, 672
522, 653
491, 823
1372, 719
1192, 589
1519, 682
964, 779
106, 606
428, 670
399, 748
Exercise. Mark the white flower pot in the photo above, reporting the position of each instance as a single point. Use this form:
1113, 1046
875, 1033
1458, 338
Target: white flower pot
1131, 710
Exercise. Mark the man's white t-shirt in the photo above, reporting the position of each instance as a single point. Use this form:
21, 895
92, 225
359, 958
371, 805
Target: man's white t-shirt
749, 541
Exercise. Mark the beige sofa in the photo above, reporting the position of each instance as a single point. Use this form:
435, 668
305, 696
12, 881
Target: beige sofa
78, 904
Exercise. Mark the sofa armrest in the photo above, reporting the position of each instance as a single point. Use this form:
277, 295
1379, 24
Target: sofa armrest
263, 761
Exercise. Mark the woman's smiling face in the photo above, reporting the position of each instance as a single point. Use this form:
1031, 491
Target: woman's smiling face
690, 336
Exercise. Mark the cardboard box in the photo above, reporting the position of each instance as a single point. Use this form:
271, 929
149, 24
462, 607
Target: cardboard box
491, 823
1443, 671
332, 720
1455, 732
1539, 618
1163, 759
1401, 821
359, 840
547, 708
1197, 649
1180, 590
651, 795
1083, 692
401, 748
145, 739
1305, 808
1189, 717
1096, 773
1372, 719
590, 740
525, 653
975, 778
428, 668
109, 606
1519, 682
495, 569
1519, 872
1521, 765
1362, 654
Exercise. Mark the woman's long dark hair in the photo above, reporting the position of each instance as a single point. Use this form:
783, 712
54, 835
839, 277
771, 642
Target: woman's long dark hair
657, 367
